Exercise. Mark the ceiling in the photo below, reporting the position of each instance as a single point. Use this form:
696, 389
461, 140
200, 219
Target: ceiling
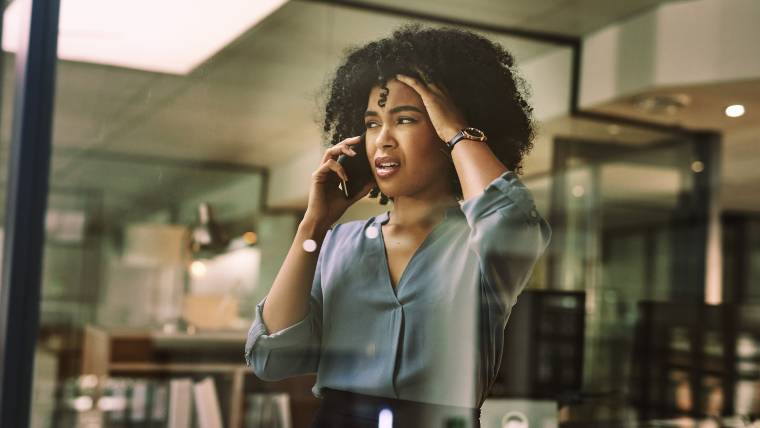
740, 157
565, 17
256, 103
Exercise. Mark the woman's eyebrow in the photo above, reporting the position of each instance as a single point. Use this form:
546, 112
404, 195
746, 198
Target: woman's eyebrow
395, 110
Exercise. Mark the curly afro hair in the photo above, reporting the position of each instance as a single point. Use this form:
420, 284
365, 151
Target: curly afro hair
479, 75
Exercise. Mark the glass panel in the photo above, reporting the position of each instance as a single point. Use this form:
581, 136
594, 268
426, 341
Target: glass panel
184, 146
626, 233
179, 179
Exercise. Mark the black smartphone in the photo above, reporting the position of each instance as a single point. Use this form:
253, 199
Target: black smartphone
357, 168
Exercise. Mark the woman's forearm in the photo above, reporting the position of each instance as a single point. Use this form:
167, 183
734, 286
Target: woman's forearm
476, 165
288, 300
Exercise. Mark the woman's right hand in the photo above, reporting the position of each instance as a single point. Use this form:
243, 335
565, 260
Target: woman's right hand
326, 201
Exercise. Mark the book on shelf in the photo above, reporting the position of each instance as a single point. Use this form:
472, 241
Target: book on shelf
159, 411
283, 406
149, 402
207, 404
180, 403
268, 410
139, 402
115, 402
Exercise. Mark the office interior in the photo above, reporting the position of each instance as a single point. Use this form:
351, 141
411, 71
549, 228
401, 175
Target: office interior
184, 139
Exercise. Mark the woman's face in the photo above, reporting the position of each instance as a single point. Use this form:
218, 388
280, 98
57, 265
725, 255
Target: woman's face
402, 131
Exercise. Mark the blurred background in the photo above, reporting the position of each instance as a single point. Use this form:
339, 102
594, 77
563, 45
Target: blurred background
184, 136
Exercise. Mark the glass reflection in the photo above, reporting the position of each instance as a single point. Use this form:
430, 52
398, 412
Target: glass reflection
629, 319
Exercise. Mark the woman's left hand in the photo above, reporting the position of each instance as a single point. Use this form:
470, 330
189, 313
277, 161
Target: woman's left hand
446, 118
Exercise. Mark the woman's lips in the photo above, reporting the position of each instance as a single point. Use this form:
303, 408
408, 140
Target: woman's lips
384, 172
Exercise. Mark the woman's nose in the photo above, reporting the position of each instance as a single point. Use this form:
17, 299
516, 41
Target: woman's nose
385, 138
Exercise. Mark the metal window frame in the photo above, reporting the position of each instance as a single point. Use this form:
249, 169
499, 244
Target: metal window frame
26, 203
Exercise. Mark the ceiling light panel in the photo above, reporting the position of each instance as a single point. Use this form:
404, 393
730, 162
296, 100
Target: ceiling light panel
166, 36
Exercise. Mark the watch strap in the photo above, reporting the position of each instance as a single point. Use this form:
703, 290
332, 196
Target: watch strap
457, 138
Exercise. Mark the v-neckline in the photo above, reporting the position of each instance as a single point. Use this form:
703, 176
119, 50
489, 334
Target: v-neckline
384, 219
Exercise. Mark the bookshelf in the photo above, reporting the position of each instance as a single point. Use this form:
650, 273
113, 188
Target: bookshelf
109, 352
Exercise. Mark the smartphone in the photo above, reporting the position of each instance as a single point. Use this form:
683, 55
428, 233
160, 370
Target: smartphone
357, 168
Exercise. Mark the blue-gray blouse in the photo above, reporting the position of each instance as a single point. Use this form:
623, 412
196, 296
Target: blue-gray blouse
438, 336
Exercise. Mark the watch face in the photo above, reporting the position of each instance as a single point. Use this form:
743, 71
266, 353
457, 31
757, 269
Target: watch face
475, 133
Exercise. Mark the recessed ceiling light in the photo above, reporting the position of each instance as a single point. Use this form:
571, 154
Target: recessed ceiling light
166, 36
736, 110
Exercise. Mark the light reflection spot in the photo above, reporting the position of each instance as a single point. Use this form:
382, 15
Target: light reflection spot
386, 419
371, 232
309, 245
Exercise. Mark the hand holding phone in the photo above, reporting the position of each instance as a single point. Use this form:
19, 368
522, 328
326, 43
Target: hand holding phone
335, 185
357, 168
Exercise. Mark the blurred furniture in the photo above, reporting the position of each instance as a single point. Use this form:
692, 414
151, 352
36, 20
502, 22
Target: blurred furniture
543, 346
697, 360
144, 353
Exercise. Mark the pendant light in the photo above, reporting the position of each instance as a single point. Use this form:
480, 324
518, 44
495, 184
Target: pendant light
208, 236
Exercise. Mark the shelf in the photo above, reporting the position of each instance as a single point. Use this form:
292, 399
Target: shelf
161, 340
178, 368
146, 353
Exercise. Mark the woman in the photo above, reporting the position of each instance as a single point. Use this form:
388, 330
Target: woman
402, 315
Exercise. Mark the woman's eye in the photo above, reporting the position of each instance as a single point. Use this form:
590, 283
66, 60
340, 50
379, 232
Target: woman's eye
401, 121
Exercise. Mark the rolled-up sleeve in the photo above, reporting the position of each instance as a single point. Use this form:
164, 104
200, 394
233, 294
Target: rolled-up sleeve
508, 235
293, 350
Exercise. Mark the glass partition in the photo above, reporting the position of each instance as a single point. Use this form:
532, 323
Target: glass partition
180, 174
183, 150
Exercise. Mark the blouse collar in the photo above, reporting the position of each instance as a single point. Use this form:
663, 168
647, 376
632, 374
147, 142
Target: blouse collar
450, 212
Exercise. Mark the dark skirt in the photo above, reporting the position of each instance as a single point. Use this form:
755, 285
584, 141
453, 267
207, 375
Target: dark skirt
344, 409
